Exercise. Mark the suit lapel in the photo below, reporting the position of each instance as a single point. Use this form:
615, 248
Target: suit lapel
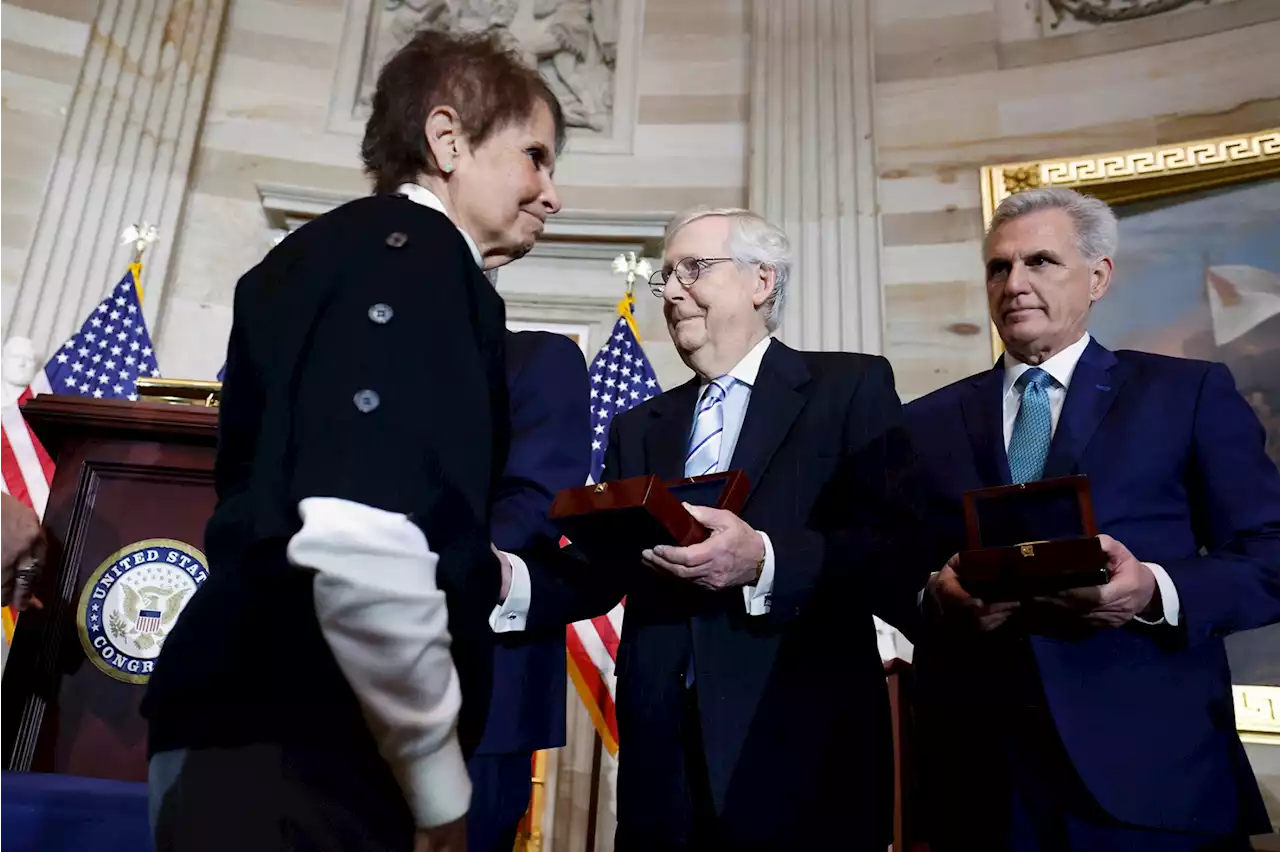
983, 409
667, 437
1094, 386
775, 403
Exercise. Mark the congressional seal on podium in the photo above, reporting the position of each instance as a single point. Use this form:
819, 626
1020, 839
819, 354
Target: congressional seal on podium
132, 601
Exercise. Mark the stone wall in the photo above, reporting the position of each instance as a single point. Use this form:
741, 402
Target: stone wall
967, 83
43, 46
267, 124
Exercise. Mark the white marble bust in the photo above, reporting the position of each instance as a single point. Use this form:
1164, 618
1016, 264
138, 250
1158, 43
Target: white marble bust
17, 368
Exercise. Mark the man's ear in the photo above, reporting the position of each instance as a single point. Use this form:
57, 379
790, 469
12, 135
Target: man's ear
766, 281
1100, 278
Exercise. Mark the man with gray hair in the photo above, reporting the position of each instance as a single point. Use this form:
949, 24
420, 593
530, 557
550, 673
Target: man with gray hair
1100, 718
752, 708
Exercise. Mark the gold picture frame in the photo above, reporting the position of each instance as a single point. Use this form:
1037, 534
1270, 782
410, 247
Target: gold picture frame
1139, 174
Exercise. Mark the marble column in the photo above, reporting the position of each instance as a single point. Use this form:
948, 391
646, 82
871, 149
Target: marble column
813, 165
125, 156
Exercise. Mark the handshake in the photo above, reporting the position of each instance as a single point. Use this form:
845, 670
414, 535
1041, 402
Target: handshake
24, 549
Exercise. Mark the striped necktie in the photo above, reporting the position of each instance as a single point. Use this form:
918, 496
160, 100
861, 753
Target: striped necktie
1032, 428
704, 451
708, 429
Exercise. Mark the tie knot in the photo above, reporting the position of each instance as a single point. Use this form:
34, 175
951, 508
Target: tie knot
1035, 378
715, 391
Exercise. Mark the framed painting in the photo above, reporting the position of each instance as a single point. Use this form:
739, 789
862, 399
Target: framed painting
1197, 276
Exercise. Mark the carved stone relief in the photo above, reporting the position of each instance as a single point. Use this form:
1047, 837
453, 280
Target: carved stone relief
1061, 16
586, 50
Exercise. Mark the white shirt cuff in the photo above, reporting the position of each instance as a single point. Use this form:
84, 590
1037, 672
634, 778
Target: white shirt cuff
510, 615
759, 596
386, 622
1168, 597
891, 643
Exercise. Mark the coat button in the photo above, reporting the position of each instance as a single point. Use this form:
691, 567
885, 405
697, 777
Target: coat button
366, 400
381, 313
396, 239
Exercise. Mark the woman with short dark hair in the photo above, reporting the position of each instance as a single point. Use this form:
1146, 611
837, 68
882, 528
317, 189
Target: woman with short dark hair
326, 682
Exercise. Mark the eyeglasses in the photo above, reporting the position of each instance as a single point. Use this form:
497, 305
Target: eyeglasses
686, 271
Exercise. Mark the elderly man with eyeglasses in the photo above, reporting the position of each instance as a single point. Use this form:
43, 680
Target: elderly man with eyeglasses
752, 708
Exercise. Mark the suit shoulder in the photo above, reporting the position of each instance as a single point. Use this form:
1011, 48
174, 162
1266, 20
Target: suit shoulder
365, 226
546, 358
849, 371
378, 216
546, 344
844, 362
941, 398
1156, 365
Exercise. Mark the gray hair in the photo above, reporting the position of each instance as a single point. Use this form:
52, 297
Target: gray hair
752, 239
1097, 233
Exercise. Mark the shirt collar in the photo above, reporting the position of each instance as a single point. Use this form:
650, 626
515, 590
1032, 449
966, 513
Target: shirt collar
1061, 366
746, 370
427, 198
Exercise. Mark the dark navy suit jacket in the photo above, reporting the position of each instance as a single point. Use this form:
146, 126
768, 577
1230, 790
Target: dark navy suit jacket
1178, 474
550, 451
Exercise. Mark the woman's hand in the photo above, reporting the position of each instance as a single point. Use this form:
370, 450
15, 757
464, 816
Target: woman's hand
450, 837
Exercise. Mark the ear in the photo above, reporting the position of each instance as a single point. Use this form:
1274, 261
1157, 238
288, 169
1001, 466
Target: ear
444, 137
766, 281
1100, 278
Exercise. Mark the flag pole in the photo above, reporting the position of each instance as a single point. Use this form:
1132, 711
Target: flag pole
631, 267
141, 235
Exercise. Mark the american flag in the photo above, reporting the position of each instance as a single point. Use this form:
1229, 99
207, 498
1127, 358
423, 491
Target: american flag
621, 377
109, 353
103, 360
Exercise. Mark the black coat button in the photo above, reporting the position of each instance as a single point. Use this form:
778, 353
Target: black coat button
381, 313
366, 400
396, 239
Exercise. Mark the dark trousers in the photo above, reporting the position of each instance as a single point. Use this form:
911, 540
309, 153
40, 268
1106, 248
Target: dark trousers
698, 813
271, 798
1039, 802
501, 785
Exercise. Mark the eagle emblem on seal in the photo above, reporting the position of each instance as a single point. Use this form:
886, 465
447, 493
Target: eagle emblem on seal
132, 602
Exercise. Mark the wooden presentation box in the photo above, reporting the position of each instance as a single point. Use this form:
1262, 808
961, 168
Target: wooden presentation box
620, 519
1031, 539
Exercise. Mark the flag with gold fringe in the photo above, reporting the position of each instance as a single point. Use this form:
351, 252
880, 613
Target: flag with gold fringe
621, 377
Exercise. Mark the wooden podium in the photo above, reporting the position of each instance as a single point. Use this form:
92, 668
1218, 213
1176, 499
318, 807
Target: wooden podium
125, 517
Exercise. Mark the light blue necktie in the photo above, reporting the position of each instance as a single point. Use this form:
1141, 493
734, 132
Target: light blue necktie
708, 430
704, 451
1033, 427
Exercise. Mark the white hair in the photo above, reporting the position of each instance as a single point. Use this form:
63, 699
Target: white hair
1097, 233
752, 239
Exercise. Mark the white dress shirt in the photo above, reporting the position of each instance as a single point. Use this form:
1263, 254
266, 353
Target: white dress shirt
511, 616
736, 398
1062, 367
386, 622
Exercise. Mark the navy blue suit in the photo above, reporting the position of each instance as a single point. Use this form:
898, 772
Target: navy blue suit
1136, 723
550, 450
